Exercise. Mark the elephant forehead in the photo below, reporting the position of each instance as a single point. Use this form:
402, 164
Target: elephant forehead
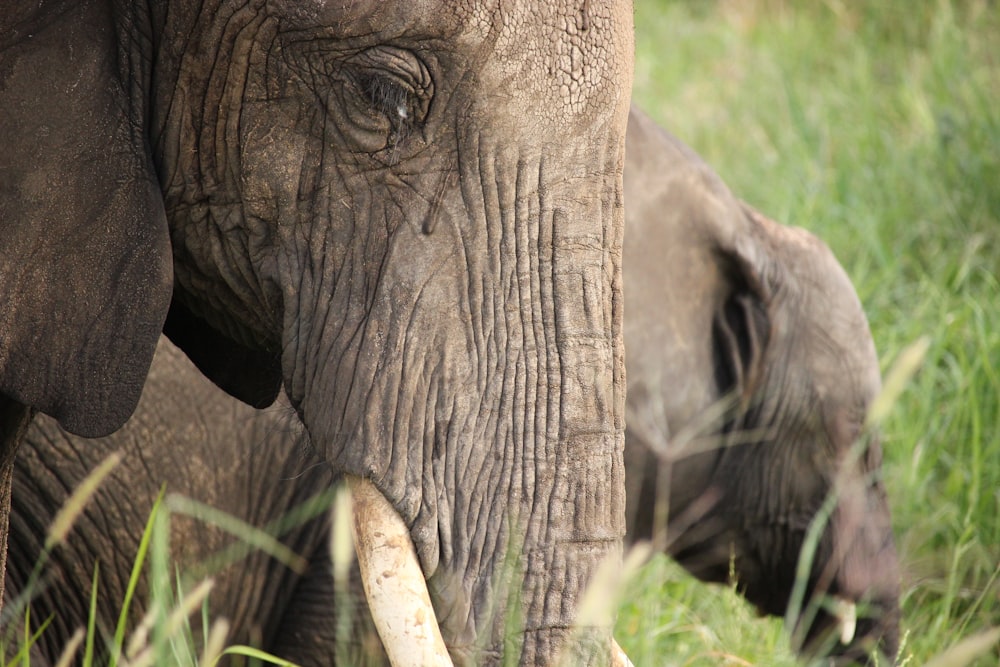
536, 52
574, 51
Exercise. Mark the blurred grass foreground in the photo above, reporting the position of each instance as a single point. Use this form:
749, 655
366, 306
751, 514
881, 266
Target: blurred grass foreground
875, 124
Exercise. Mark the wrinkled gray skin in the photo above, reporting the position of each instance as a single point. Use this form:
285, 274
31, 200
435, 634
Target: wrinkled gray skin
767, 313
751, 369
198, 442
406, 213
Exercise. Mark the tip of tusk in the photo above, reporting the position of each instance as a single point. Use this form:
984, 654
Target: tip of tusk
847, 617
618, 657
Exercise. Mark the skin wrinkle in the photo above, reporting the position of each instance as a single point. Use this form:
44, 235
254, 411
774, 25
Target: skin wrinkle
526, 282
237, 73
542, 418
510, 385
461, 467
211, 95
480, 532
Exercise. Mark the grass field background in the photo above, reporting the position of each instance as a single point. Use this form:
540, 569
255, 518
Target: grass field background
875, 124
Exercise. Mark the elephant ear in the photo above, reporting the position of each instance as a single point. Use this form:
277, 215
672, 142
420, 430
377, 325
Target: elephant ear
85, 269
741, 324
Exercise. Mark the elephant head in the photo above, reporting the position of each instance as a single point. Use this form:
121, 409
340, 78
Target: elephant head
750, 373
407, 213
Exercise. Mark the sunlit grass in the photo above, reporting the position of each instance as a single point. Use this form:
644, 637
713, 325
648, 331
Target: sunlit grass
877, 126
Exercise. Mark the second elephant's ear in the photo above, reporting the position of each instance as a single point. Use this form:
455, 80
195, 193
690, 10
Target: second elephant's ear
741, 324
85, 267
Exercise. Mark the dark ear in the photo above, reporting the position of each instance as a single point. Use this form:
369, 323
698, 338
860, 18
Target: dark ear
85, 268
741, 326
249, 374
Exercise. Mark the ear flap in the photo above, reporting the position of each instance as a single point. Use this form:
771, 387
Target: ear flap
85, 267
741, 326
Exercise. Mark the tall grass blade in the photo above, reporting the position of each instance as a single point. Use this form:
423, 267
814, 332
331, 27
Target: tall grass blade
256, 654
88, 651
250, 535
187, 606
133, 580
341, 542
23, 655
73, 507
906, 366
967, 650
215, 643
72, 646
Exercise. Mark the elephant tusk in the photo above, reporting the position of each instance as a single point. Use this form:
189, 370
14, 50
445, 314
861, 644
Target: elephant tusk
393, 581
847, 619
618, 657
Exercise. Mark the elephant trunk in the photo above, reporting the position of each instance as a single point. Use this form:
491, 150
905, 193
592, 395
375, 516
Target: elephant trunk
548, 463
862, 573
480, 388
868, 572
567, 511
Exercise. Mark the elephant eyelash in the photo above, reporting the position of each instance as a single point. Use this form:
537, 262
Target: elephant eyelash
391, 100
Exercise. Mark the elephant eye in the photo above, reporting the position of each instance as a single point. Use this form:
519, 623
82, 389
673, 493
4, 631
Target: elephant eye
395, 88
389, 99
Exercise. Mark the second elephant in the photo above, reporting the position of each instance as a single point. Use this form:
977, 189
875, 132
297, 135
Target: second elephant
192, 439
750, 371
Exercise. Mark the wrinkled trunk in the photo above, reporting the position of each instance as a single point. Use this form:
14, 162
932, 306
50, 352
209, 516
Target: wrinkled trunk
865, 562
480, 389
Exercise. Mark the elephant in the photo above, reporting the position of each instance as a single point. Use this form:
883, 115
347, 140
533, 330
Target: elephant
751, 370
191, 439
408, 215
702, 394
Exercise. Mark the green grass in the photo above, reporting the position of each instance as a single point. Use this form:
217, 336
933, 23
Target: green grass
875, 124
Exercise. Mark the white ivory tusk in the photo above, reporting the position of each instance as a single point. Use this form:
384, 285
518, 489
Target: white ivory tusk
618, 657
847, 619
393, 581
